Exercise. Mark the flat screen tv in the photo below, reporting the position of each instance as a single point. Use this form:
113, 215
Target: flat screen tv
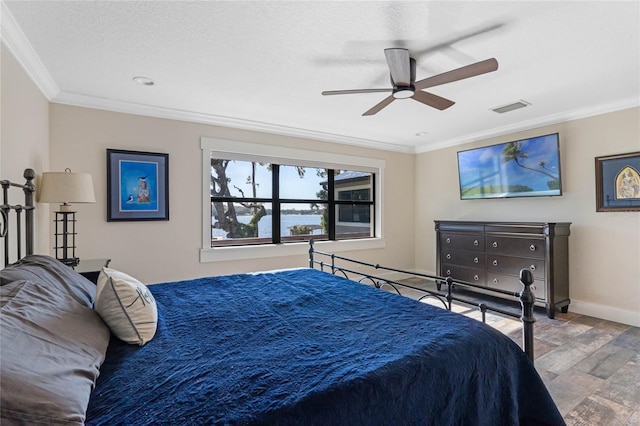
524, 168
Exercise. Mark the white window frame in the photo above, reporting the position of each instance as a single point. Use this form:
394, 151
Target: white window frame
234, 150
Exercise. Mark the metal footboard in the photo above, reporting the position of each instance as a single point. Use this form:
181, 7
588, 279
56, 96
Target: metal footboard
328, 262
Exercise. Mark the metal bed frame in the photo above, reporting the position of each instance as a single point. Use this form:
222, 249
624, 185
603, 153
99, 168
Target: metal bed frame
5, 215
526, 296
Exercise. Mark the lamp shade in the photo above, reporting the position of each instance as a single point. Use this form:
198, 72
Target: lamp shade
66, 187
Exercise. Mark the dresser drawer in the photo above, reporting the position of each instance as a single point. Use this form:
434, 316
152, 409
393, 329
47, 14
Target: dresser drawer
512, 283
466, 258
461, 273
473, 242
512, 265
524, 247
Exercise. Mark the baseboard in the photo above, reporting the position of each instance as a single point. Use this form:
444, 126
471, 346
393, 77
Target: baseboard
609, 313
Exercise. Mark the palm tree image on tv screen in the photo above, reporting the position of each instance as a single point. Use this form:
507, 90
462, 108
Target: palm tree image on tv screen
524, 168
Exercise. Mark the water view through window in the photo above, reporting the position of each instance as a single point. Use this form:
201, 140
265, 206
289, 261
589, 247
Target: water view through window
287, 223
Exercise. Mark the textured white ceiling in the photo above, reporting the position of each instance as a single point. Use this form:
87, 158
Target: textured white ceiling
263, 64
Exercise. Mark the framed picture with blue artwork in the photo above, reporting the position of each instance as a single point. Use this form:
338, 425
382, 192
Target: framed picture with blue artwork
618, 182
137, 185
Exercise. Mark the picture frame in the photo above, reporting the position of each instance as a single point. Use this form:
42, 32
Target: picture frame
137, 185
618, 182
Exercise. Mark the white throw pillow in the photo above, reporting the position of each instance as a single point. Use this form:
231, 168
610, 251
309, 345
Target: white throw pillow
127, 306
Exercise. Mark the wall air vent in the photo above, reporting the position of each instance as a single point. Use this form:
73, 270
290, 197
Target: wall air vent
511, 107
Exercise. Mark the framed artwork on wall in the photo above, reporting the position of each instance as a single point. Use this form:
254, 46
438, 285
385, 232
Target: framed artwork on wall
618, 182
137, 185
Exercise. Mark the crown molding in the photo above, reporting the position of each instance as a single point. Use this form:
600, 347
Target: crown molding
218, 120
19, 46
521, 126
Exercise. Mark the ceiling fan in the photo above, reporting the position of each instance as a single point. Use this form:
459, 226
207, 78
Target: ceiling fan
403, 79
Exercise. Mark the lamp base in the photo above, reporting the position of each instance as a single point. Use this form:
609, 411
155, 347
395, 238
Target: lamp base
66, 238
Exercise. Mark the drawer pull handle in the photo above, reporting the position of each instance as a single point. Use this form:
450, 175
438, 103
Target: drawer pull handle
495, 244
532, 267
448, 256
475, 242
495, 281
495, 262
448, 240
532, 247
476, 278
448, 271
475, 260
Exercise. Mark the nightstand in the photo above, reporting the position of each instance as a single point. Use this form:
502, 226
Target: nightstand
90, 268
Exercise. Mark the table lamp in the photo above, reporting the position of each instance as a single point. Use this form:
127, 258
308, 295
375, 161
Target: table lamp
66, 187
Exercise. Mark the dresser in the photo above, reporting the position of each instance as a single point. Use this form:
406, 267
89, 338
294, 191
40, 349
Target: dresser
491, 254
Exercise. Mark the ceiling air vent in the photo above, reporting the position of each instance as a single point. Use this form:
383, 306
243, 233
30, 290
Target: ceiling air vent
511, 107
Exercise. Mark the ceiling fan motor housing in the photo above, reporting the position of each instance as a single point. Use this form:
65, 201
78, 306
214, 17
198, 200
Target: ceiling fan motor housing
404, 91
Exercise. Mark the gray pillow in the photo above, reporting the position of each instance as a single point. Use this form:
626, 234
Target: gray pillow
52, 272
51, 347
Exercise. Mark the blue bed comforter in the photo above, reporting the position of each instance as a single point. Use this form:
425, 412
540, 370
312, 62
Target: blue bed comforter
303, 347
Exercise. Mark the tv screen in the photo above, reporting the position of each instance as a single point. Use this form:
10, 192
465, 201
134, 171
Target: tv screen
524, 168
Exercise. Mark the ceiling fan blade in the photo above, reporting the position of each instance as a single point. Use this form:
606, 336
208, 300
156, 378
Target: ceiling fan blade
432, 100
354, 91
399, 65
386, 101
472, 70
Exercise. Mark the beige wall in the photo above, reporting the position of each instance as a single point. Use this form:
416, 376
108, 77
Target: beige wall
162, 251
24, 136
604, 248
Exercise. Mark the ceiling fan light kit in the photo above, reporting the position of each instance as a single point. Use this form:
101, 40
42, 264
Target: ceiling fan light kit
402, 70
403, 92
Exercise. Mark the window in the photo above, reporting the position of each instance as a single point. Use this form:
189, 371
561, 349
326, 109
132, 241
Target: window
355, 187
267, 196
254, 202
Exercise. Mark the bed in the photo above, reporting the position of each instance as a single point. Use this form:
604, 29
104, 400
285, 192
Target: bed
287, 347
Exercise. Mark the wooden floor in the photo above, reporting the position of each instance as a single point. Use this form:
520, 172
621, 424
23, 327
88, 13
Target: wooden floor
590, 366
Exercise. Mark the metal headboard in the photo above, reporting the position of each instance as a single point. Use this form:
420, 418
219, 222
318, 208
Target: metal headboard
18, 209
